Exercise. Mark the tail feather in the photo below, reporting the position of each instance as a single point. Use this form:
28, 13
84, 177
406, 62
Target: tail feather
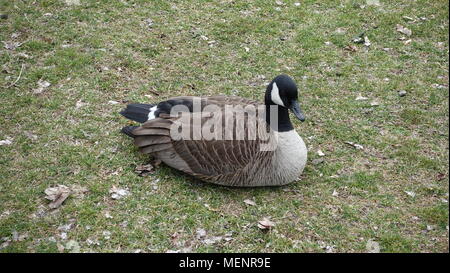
128, 130
137, 112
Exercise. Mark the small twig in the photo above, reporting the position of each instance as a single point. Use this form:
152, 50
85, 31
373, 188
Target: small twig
18, 78
154, 92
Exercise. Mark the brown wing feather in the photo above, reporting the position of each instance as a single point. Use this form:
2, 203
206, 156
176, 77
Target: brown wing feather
226, 162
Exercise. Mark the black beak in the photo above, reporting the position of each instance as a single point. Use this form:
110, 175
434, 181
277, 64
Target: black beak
295, 108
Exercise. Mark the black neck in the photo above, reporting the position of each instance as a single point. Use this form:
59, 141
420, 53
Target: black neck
284, 122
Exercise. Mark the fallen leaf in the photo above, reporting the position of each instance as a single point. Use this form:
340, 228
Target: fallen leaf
407, 42
149, 22
11, 45
266, 224
374, 103
372, 246
355, 145
249, 202
16, 237
72, 2
174, 237
23, 55
373, 2
73, 246
407, 18
228, 236
106, 235
359, 97
438, 86
108, 215
80, 104
335, 193
351, 48
410, 193
366, 41
63, 235
212, 240
144, 170
7, 141
403, 30
42, 85
57, 195
200, 233
359, 39
117, 193
440, 176
67, 227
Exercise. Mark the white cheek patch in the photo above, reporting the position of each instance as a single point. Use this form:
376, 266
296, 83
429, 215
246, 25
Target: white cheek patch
151, 114
275, 95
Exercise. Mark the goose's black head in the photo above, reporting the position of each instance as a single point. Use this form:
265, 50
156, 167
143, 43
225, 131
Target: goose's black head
283, 91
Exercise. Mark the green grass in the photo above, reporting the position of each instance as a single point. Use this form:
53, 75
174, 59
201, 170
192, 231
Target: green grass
104, 50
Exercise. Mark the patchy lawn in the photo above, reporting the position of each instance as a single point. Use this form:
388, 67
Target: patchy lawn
68, 67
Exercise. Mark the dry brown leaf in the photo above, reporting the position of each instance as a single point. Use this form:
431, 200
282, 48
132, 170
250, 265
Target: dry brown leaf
57, 195
403, 30
440, 176
144, 170
351, 48
266, 224
117, 193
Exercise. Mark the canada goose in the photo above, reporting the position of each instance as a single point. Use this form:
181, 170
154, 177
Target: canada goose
233, 160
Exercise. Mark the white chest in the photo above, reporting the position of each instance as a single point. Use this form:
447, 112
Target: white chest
290, 156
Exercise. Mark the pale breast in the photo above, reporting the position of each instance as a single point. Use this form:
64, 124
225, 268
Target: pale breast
289, 158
